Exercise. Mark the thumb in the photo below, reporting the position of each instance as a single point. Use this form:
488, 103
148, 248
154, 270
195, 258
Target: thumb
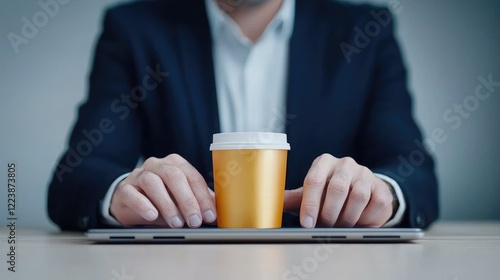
293, 200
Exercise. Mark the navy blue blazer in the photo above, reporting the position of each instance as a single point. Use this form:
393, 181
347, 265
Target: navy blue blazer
152, 93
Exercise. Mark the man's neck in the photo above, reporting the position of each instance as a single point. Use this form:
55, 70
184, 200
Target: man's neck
252, 16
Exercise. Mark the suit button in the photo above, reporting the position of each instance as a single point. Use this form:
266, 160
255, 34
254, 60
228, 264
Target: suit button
420, 220
84, 222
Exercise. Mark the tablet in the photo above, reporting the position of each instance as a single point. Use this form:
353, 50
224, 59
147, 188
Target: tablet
281, 235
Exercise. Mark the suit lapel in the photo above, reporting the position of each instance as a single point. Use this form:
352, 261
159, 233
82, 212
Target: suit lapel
304, 76
195, 47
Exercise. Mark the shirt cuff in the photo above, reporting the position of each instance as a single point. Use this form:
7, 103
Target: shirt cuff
106, 203
398, 216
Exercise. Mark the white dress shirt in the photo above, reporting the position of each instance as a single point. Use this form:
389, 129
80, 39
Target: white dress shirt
251, 80
251, 77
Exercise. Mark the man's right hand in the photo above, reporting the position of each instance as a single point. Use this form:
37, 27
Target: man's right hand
166, 192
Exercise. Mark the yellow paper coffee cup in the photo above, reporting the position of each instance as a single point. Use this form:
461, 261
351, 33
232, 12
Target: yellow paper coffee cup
249, 176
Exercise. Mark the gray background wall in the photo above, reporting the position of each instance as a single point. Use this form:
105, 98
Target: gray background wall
448, 45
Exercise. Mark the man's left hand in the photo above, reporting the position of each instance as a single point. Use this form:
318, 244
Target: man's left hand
341, 193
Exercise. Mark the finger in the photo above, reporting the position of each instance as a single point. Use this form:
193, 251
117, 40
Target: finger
130, 197
293, 199
314, 185
336, 195
379, 209
176, 182
201, 191
212, 194
357, 200
157, 193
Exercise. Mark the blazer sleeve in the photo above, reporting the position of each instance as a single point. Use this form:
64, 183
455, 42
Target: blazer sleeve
390, 141
106, 139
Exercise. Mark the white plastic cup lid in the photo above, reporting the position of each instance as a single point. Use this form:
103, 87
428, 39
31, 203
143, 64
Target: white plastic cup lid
249, 141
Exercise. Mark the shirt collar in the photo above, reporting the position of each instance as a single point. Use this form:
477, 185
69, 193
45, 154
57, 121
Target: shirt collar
282, 23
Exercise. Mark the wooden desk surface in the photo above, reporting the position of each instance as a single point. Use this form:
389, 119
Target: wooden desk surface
450, 251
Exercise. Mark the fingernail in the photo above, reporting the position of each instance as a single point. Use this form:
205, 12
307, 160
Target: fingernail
308, 222
176, 222
209, 216
194, 221
150, 215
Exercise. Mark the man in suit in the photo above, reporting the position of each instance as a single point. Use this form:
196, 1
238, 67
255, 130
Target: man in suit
167, 75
